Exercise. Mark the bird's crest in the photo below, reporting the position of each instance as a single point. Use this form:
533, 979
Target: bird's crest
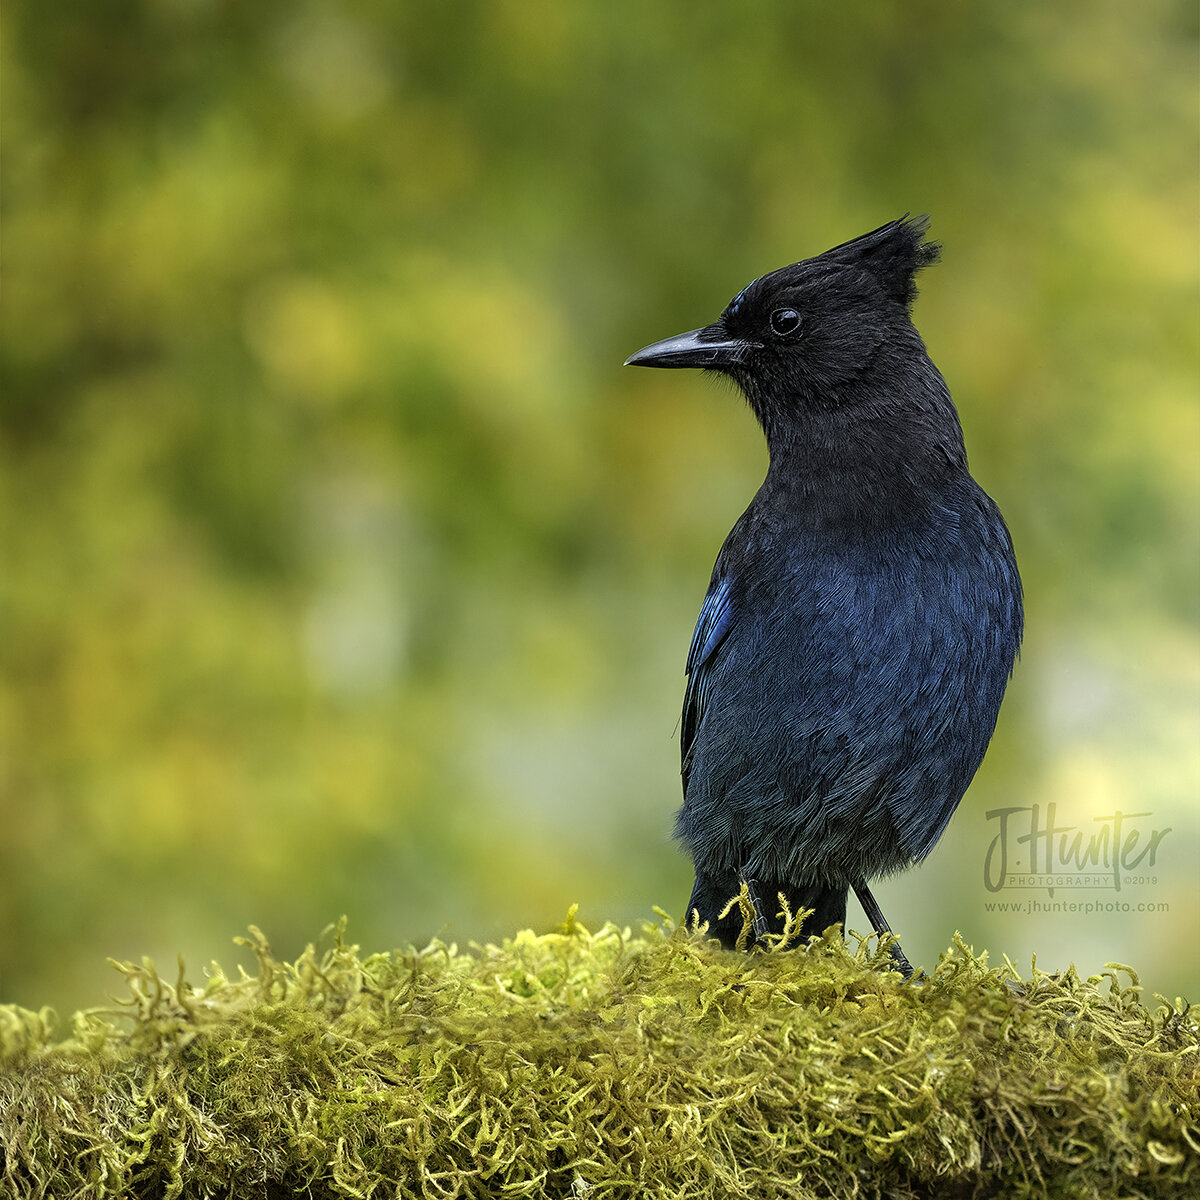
893, 253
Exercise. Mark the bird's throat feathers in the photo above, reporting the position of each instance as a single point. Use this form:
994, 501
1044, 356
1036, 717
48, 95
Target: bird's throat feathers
863, 454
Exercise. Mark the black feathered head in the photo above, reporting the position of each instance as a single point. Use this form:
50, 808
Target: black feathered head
880, 265
807, 331
827, 355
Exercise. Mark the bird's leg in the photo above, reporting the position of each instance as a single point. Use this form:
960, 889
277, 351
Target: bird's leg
879, 921
761, 925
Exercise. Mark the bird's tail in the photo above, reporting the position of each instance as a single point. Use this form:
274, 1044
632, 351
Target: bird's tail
711, 896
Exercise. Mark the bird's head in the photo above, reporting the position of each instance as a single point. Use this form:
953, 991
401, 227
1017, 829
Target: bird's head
798, 338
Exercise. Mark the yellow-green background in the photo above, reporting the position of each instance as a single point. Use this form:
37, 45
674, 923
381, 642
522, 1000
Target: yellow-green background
346, 571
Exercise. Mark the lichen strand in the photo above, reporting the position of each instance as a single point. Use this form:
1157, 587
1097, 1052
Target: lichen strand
606, 1064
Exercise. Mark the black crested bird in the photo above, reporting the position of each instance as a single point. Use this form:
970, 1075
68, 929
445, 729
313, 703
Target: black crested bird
864, 613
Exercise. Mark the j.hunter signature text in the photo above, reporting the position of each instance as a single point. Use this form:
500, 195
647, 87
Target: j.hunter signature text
1030, 844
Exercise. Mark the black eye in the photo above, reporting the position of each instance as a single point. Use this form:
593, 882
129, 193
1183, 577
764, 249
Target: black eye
785, 321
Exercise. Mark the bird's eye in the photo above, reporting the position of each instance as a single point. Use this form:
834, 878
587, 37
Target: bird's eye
785, 321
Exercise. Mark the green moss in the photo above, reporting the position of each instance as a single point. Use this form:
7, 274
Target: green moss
610, 1064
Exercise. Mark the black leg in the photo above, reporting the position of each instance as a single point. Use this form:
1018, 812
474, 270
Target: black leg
879, 922
761, 924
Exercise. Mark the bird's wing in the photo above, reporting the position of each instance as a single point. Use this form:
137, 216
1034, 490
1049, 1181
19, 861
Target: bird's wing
716, 618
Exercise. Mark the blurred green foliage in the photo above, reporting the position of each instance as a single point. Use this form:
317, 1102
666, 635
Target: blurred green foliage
344, 570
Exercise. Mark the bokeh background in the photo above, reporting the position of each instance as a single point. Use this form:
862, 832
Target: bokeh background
346, 571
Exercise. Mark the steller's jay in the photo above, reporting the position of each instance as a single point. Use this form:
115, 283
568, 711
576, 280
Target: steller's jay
864, 613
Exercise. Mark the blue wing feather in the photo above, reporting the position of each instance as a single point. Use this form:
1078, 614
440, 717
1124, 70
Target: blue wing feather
716, 619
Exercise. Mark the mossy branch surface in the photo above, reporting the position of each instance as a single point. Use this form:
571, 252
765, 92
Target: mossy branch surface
608, 1064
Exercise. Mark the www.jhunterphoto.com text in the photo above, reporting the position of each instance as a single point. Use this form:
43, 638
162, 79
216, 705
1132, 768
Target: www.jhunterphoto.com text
1032, 906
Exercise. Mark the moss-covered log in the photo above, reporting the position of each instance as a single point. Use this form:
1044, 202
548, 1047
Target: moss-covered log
605, 1065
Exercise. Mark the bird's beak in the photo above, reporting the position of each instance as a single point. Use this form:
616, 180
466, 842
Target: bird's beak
708, 347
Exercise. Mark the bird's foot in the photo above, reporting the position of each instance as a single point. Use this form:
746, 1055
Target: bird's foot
882, 928
902, 964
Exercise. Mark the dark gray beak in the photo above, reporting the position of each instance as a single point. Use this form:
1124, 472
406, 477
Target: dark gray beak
708, 347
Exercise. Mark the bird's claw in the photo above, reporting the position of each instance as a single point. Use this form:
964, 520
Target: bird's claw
902, 964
